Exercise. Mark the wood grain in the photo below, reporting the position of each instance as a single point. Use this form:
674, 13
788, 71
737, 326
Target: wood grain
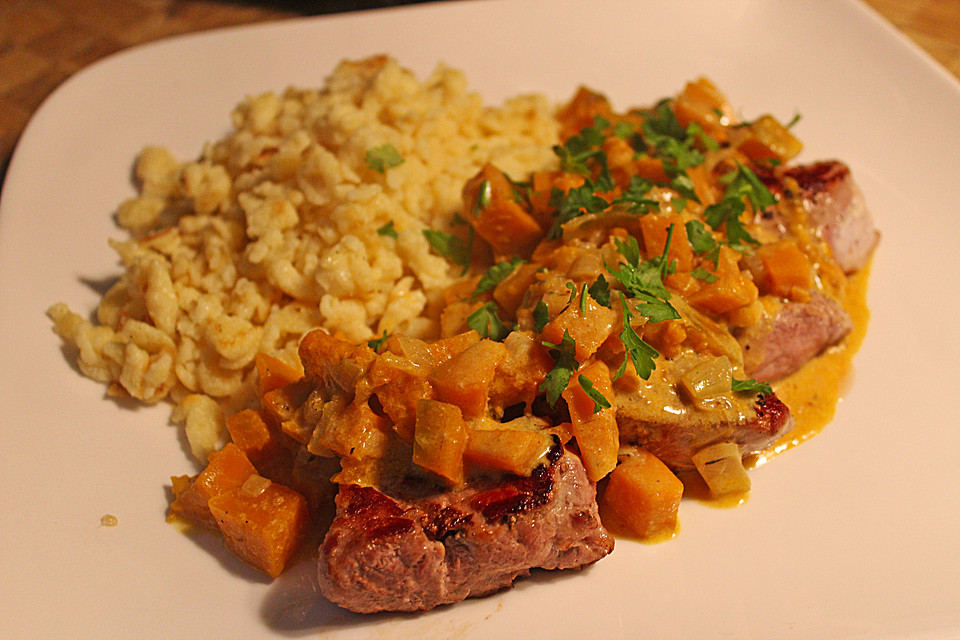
43, 42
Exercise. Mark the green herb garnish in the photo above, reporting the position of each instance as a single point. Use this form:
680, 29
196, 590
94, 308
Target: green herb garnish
487, 323
387, 230
449, 246
383, 157
541, 316
565, 358
751, 386
495, 275
599, 402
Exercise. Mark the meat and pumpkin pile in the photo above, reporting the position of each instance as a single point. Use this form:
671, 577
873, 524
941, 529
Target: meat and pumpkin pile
619, 320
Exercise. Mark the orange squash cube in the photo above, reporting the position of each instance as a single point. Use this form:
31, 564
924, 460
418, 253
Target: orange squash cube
262, 522
655, 229
440, 439
226, 470
249, 430
464, 379
497, 217
518, 452
273, 372
643, 495
785, 267
596, 432
588, 327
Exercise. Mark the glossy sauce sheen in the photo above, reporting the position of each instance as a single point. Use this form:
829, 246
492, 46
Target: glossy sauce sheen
812, 393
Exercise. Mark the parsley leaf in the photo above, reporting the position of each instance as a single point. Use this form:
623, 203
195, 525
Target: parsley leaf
641, 354
487, 323
383, 157
484, 195
565, 358
387, 230
541, 316
751, 385
576, 153
727, 212
575, 203
633, 196
600, 291
644, 280
495, 275
449, 246
376, 343
700, 238
599, 402
702, 274
744, 183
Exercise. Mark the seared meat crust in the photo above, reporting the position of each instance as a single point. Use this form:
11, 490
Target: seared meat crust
393, 553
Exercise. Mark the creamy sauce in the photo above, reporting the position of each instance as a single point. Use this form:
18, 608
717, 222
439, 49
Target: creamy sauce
812, 393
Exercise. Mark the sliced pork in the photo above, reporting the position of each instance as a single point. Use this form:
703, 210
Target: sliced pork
784, 341
674, 437
415, 552
834, 208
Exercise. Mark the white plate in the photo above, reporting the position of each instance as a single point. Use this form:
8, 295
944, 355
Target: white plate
855, 534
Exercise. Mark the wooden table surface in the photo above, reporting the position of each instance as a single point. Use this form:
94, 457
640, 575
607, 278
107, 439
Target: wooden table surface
43, 42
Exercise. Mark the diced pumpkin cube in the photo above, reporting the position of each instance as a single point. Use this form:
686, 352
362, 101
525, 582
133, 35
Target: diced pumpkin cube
282, 403
518, 452
464, 379
326, 357
721, 467
581, 111
589, 326
595, 431
702, 102
440, 439
398, 384
226, 470
445, 348
732, 289
785, 268
497, 217
655, 229
519, 376
510, 292
349, 429
273, 372
262, 522
453, 318
765, 138
643, 495
249, 430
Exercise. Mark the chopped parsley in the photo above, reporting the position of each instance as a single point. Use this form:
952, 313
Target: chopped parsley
634, 196
541, 316
484, 195
387, 230
599, 402
495, 275
451, 247
565, 358
600, 291
640, 353
383, 157
644, 280
742, 185
751, 386
487, 323
376, 343
702, 274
